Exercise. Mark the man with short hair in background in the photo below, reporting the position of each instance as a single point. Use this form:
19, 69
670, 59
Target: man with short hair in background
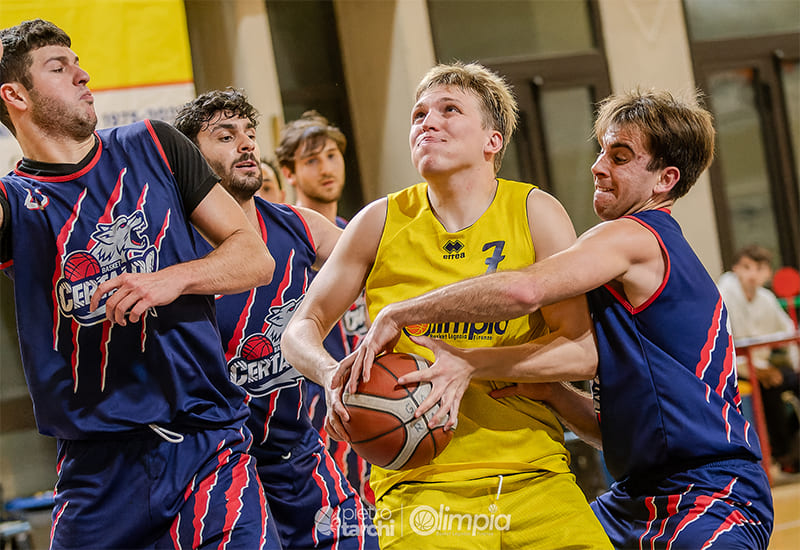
311, 155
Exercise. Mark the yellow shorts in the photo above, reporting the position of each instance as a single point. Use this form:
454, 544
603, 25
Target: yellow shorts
528, 510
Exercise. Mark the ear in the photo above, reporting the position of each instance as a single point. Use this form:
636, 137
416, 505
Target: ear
494, 144
15, 96
669, 177
288, 176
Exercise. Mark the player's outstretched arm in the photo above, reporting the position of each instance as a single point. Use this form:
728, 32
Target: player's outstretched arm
333, 290
566, 352
239, 261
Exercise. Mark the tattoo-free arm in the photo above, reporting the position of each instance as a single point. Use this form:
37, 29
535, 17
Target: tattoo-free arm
239, 261
333, 290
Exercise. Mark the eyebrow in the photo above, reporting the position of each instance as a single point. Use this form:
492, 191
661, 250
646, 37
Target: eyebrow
318, 152
60, 58
619, 144
229, 126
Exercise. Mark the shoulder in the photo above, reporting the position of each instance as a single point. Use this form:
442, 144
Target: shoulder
624, 236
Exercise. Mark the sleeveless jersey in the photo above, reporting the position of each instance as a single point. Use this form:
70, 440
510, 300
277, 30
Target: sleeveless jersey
666, 394
251, 324
415, 255
120, 213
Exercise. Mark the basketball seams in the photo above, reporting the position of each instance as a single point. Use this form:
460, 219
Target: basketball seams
406, 441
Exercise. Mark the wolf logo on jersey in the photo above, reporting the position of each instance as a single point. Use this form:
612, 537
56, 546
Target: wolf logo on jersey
117, 247
259, 365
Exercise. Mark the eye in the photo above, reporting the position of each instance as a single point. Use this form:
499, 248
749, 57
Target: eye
452, 109
226, 138
417, 115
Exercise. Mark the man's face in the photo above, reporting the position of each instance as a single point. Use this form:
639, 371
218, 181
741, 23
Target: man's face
60, 101
229, 145
270, 189
752, 274
622, 182
319, 174
447, 132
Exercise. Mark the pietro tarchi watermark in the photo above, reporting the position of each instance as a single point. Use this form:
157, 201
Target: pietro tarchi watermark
349, 522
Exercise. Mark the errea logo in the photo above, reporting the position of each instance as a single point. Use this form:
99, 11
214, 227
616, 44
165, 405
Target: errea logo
454, 250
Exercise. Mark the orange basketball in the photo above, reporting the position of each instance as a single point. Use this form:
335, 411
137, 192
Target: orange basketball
382, 427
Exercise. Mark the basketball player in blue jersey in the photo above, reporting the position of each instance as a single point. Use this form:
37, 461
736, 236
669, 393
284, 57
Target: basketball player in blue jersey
115, 314
665, 407
311, 155
312, 503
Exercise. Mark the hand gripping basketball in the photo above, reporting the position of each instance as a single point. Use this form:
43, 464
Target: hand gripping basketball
382, 427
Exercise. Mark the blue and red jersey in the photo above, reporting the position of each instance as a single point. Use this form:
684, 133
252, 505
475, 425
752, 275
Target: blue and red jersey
251, 324
666, 393
123, 209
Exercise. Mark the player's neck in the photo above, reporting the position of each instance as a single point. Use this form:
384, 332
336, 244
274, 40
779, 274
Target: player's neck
458, 202
249, 207
42, 147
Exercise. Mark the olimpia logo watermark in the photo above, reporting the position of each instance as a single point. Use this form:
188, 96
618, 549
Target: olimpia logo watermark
426, 520
422, 520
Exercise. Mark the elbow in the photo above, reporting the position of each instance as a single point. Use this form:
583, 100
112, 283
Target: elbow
267, 268
528, 297
287, 349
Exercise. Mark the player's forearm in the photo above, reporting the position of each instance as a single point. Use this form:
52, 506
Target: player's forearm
239, 263
302, 346
576, 410
551, 358
484, 299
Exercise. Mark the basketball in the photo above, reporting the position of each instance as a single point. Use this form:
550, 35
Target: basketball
80, 265
256, 347
382, 427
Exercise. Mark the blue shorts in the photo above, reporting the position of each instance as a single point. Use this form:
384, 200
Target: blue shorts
355, 468
725, 505
313, 504
147, 492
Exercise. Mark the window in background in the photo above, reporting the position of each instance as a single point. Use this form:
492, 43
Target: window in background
713, 19
308, 62
503, 28
567, 118
746, 55
790, 78
742, 158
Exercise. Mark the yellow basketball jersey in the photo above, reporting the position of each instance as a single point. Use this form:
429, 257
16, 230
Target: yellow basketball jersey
416, 254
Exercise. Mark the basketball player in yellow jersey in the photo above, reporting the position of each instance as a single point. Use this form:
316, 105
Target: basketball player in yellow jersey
504, 480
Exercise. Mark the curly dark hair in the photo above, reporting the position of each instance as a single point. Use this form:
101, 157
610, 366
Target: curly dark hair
18, 43
194, 117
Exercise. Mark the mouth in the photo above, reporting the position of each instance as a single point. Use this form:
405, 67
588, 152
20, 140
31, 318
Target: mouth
602, 189
248, 164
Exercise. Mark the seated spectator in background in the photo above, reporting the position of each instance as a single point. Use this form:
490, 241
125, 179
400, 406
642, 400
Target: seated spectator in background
754, 311
271, 185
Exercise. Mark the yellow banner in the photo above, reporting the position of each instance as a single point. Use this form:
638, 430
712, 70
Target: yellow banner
120, 43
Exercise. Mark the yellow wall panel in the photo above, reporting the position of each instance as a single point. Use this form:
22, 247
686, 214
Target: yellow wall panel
121, 43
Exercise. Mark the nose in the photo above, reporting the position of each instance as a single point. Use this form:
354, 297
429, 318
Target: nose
81, 76
430, 120
247, 144
599, 166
